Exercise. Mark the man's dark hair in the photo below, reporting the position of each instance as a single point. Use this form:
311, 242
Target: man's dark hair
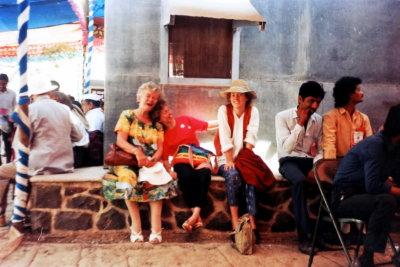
343, 89
391, 128
311, 88
96, 104
4, 77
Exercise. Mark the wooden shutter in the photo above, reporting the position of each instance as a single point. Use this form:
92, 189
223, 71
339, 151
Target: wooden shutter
200, 47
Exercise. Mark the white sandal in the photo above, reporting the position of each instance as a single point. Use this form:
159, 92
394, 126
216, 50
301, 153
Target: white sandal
136, 237
155, 238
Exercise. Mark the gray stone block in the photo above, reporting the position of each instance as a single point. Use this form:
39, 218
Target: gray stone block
69, 191
284, 222
219, 222
83, 202
73, 221
41, 221
46, 197
111, 220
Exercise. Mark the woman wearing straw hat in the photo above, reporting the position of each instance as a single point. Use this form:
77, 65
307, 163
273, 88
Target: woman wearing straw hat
238, 127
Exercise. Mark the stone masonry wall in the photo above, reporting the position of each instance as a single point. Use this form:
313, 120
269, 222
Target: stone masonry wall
80, 206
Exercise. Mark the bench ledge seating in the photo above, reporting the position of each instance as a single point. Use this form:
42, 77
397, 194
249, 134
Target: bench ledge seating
88, 174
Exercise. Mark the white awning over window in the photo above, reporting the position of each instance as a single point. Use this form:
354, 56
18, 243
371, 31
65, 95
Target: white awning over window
242, 12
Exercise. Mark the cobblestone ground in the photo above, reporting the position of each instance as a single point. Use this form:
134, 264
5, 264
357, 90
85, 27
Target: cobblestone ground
176, 250
201, 248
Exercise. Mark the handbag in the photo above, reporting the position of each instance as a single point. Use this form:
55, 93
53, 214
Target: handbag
243, 236
195, 156
117, 156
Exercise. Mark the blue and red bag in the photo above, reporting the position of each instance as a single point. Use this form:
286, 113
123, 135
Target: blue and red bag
195, 156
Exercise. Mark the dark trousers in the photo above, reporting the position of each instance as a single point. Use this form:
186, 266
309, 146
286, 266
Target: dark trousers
295, 170
7, 145
193, 184
79, 156
375, 210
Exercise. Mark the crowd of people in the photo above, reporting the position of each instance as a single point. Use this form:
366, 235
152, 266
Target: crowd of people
60, 136
368, 173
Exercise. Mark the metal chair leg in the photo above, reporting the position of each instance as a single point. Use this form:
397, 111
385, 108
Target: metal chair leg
339, 234
311, 258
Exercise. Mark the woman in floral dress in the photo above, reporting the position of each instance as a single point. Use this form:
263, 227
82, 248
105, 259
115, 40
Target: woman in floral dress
138, 134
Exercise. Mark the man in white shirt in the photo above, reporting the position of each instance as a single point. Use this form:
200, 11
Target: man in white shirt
95, 117
93, 113
7, 106
298, 138
50, 142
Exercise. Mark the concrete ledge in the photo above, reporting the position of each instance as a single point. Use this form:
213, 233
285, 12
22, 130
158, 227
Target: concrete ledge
89, 174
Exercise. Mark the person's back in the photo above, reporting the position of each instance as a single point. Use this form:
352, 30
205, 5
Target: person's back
362, 188
51, 146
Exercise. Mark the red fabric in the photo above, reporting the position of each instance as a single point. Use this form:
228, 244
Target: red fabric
231, 121
253, 170
184, 132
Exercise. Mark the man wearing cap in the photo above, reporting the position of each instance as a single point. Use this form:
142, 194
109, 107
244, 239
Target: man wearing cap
52, 134
298, 138
94, 114
95, 117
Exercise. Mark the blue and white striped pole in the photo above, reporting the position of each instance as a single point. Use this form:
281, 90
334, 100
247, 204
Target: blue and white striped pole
20, 116
89, 46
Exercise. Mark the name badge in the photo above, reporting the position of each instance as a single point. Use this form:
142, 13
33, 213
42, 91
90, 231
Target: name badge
358, 136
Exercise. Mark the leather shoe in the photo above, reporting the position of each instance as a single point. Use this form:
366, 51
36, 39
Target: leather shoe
305, 247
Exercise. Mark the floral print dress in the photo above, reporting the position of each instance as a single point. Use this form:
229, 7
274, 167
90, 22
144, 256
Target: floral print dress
122, 181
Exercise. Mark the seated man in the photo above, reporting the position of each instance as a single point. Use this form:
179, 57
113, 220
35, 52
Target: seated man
298, 138
52, 134
344, 126
361, 188
92, 109
80, 122
91, 106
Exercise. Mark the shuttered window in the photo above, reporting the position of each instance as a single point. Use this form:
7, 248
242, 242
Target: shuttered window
200, 48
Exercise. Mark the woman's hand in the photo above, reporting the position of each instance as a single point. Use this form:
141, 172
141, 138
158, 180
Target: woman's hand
229, 165
229, 160
156, 156
173, 174
154, 159
141, 158
122, 142
248, 146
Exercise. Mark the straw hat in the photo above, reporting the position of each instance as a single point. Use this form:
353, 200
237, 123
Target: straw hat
39, 85
238, 86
